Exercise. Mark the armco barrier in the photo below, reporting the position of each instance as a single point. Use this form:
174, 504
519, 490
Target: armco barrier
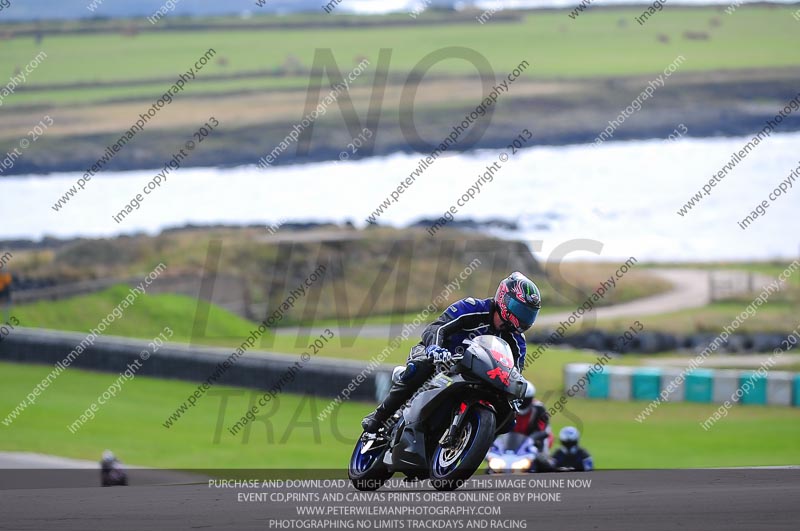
615, 382
259, 370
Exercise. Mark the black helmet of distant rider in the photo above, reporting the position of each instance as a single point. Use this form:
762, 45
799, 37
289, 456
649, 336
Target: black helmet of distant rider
517, 302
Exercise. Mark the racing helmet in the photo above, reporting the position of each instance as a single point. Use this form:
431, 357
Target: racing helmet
569, 436
517, 301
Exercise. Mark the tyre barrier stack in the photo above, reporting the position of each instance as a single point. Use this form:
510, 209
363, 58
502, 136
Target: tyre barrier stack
647, 342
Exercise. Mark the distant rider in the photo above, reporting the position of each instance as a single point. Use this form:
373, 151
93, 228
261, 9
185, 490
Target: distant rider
571, 456
511, 312
112, 473
533, 421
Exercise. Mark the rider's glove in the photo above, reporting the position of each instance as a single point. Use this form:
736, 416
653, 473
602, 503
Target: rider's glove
439, 354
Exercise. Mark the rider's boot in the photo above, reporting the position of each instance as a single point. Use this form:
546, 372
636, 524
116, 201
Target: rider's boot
404, 388
398, 394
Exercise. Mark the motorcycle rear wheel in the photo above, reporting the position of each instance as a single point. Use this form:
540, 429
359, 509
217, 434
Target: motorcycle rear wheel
450, 467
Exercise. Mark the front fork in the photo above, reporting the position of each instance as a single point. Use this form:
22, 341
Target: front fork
449, 437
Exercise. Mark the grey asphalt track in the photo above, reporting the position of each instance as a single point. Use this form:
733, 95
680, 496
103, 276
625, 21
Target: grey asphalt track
714, 499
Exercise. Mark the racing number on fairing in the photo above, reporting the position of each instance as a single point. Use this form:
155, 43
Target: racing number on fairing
497, 372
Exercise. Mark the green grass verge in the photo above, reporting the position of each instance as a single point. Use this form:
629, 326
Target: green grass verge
131, 425
145, 319
151, 313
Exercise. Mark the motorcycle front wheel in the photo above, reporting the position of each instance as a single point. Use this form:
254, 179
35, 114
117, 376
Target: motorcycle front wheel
367, 470
451, 466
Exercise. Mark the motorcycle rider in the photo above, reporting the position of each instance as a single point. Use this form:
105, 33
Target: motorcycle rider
571, 456
111, 471
511, 311
533, 421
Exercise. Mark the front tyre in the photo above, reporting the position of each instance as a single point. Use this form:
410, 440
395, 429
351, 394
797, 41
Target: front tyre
367, 470
451, 466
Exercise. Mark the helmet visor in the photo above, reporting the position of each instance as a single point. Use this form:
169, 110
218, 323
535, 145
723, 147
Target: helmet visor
524, 314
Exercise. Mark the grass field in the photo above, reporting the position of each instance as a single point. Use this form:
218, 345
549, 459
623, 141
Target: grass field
131, 425
145, 319
599, 43
760, 436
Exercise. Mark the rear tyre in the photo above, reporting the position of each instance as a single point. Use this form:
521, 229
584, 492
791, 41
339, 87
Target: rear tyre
367, 470
450, 467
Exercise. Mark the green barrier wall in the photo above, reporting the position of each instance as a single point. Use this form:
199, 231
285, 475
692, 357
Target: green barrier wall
797, 390
645, 384
598, 385
757, 392
699, 385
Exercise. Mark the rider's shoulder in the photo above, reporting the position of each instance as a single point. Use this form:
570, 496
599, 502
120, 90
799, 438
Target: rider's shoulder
470, 305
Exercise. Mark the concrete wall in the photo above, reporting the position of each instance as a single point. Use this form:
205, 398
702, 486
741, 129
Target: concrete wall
260, 370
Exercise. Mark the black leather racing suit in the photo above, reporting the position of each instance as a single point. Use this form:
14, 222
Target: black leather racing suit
464, 319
